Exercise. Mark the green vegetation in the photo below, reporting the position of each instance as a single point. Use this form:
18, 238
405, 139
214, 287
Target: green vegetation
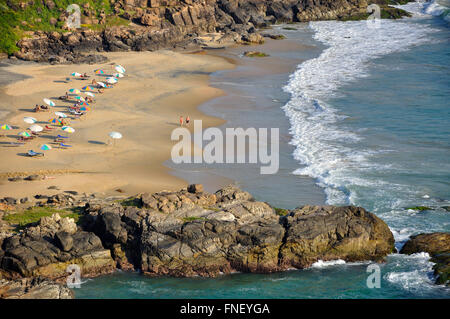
18, 17
131, 202
419, 208
289, 28
255, 54
281, 211
192, 218
34, 214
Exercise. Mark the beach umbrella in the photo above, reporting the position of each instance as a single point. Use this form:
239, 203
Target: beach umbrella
24, 134
75, 91
6, 127
60, 114
87, 88
90, 94
99, 71
68, 129
119, 69
49, 102
80, 98
84, 103
75, 74
111, 80
115, 135
55, 121
101, 84
36, 128
46, 147
85, 108
29, 120
118, 75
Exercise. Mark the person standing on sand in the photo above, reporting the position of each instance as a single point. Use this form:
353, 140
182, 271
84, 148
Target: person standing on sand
187, 120
181, 120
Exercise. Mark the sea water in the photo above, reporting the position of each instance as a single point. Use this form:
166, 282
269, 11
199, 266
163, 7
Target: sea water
368, 122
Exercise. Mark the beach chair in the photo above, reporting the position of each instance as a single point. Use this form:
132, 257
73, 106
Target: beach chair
32, 153
64, 146
25, 138
48, 128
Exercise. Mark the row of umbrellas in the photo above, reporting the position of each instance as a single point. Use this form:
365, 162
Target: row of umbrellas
37, 128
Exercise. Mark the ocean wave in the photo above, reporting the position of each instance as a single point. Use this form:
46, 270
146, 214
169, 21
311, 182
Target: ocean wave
322, 143
423, 8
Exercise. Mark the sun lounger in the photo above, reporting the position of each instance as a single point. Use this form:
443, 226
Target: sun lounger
48, 128
62, 145
32, 153
25, 138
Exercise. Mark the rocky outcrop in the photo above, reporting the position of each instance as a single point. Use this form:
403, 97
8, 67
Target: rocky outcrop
192, 232
33, 288
171, 23
438, 246
48, 248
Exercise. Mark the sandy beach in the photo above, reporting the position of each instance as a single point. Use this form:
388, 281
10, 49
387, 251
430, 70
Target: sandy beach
145, 107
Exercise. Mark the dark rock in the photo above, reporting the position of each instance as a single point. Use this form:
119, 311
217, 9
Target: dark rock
64, 241
195, 188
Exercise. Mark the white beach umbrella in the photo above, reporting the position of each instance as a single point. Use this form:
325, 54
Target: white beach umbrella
68, 129
75, 74
90, 94
111, 80
101, 84
119, 69
115, 135
29, 120
36, 128
61, 114
118, 75
49, 102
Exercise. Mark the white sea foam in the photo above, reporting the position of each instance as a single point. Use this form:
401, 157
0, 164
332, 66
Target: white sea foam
423, 8
322, 264
417, 275
322, 143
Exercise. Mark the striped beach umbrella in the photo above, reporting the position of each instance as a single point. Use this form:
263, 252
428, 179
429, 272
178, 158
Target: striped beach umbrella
118, 75
90, 94
119, 69
29, 120
99, 71
6, 127
87, 88
46, 147
24, 134
55, 121
84, 103
68, 129
80, 98
85, 108
75, 74
75, 91
49, 102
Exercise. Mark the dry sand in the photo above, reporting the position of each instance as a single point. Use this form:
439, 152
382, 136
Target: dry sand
145, 107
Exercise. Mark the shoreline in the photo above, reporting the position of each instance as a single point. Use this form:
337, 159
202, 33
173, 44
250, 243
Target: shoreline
180, 82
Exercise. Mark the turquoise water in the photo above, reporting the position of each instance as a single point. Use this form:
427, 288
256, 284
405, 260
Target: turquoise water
365, 121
